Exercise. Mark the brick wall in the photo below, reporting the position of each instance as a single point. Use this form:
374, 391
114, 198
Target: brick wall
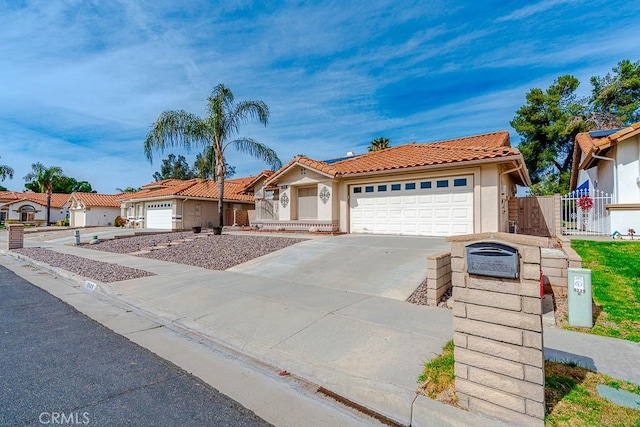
499, 358
16, 236
438, 277
554, 263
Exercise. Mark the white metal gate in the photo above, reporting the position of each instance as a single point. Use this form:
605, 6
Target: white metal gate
584, 212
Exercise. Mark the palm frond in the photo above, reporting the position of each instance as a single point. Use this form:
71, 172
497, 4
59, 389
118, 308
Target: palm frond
257, 150
175, 128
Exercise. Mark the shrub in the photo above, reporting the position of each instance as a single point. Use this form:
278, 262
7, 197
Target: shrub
119, 221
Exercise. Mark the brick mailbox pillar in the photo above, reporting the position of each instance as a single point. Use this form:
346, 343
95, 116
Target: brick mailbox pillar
15, 239
499, 358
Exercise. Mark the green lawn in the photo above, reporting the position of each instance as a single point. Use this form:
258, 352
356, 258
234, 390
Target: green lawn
571, 394
615, 278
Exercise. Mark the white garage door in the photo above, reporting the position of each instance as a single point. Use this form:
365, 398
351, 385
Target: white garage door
429, 207
78, 218
159, 215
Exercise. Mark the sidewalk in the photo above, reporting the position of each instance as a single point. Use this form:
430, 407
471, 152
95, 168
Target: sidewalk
366, 349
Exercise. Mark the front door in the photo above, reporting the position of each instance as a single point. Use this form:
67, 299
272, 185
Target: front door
308, 203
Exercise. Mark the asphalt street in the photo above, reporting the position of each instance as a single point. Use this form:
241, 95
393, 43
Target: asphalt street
58, 367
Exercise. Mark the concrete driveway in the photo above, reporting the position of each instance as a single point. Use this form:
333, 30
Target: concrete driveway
386, 266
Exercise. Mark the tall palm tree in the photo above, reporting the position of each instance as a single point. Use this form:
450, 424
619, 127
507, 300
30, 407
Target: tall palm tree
178, 127
44, 179
5, 171
379, 144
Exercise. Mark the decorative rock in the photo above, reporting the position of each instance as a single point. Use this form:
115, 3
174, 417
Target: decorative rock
313, 229
94, 241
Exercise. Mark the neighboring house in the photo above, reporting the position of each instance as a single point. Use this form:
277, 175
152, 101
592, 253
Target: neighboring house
5, 197
93, 210
31, 208
266, 198
173, 204
609, 161
460, 186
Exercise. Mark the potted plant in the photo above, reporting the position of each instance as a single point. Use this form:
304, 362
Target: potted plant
631, 232
196, 229
217, 230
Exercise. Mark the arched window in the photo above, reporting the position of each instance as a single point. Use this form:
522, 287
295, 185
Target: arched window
27, 213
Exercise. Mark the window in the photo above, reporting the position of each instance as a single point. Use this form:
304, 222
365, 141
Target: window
368, 189
460, 182
425, 184
442, 183
382, 187
410, 186
357, 189
395, 187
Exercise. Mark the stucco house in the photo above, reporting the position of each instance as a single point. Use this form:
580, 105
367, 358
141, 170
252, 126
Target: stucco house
180, 205
609, 161
92, 209
459, 186
31, 208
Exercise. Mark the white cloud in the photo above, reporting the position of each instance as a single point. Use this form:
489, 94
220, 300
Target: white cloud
533, 9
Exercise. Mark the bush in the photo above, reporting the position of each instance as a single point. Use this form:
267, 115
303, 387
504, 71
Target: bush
119, 221
62, 222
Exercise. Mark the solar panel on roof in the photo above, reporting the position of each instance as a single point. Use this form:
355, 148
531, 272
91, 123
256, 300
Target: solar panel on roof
603, 133
339, 159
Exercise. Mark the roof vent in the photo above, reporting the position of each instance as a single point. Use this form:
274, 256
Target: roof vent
350, 154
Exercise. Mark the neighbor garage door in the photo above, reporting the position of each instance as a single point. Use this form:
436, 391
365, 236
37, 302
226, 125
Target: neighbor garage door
78, 218
159, 215
429, 207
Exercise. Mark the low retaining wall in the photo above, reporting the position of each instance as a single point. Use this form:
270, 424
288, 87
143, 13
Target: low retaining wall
438, 277
554, 264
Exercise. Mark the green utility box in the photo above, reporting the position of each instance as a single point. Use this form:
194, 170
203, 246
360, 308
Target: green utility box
579, 297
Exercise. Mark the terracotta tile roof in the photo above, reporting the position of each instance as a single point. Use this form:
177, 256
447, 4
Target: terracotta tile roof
57, 200
263, 174
201, 188
94, 199
413, 155
163, 183
478, 147
585, 142
8, 195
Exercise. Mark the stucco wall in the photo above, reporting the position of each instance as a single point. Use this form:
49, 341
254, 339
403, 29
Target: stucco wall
196, 213
628, 160
100, 216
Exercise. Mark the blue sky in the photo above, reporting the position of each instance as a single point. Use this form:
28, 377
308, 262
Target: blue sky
82, 81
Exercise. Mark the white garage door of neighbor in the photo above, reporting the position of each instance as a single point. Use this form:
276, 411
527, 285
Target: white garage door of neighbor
159, 215
428, 207
78, 218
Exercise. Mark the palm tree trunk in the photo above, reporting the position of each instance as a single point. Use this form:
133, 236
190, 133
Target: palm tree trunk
48, 208
220, 172
221, 200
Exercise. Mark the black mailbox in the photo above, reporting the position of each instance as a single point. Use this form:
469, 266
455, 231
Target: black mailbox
493, 260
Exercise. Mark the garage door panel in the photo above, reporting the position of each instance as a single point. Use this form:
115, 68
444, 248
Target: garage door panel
159, 218
439, 211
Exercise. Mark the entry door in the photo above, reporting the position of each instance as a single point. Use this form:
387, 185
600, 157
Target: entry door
308, 203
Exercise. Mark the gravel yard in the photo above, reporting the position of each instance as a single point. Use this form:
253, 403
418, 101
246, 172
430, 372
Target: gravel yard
97, 270
200, 250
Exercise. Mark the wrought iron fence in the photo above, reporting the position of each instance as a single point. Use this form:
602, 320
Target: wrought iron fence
584, 212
